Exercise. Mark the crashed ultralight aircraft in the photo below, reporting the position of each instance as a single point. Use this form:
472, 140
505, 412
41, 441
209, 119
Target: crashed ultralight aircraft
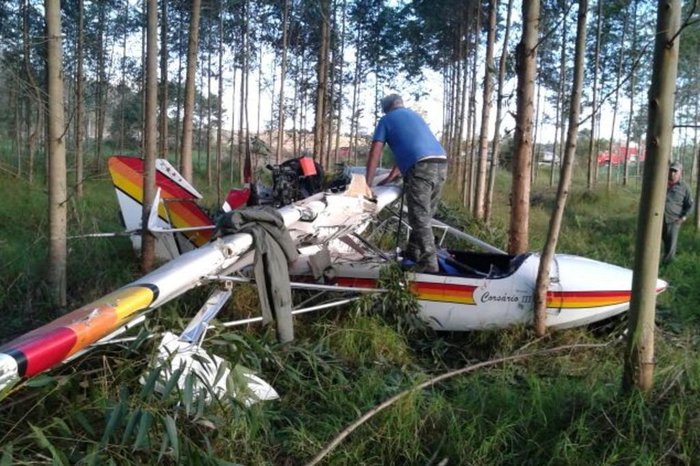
472, 291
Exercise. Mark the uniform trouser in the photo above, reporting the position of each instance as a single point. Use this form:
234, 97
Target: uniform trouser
423, 186
669, 235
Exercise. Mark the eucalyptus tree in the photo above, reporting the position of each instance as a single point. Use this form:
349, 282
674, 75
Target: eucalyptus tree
187, 120
148, 241
592, 165
448, 26
618, 65
283, 75
58, 193
376, 32
495, 143
525, 68
341, 77
542, 283
103, 19
322, 68
80, 41
31, 73
489, 68
163, 97
555, 70
639, 360
688, 93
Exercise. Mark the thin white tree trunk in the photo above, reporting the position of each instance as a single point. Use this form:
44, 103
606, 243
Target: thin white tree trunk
58, 252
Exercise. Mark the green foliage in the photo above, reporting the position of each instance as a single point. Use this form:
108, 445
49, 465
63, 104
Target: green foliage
555, 409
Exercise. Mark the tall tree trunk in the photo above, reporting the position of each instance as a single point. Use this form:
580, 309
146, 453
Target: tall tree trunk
480, 201
495, 147
178, 105
536, 149
322, 80
630, 118
542, 284
356, 84
208, 101
148, 241
79, 104
58, 194
592, 156
330, 106
163, 136
476, 27
283, 75
461, 140
193, 43
232, 151
100, 108
639, 352
220, 110
123, 89
617, 99
525, 70
561, 102
341, 79
243, 147
33, 129
273, 72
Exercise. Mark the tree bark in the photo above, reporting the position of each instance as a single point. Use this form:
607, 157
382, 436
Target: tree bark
192, 46
220, 110
100, 107
542, 284
592, 157
495, 148
79, 104
163, 136
341, 80
480, 201
58, 252
630, 118
639, 353
283, 73
148, 241
617, 99
322, 81
525, 69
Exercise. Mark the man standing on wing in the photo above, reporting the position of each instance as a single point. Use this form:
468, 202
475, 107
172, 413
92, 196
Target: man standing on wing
679, 202
423, 164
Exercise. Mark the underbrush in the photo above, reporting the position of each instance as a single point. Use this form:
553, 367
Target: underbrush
527, 406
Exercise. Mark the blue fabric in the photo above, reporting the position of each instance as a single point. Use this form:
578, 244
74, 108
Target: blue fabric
408, 136
446, 267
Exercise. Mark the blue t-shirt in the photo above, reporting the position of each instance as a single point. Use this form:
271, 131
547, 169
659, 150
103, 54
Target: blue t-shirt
408, 136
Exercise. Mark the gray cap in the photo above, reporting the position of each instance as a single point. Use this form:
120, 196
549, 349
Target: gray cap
390, 101
676, 166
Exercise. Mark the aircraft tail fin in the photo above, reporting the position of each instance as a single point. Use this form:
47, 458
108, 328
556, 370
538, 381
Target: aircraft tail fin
181, 224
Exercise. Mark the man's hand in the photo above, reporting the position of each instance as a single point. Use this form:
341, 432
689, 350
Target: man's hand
393, 174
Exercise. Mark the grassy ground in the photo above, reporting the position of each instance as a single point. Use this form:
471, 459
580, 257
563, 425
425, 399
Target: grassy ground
559, 408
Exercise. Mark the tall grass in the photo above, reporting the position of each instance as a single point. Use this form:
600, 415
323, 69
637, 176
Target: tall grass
555, 409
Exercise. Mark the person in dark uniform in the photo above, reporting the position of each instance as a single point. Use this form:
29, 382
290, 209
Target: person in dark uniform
422, 162
679, 203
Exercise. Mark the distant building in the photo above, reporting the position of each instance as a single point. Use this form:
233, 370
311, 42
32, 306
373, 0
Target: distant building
618, 155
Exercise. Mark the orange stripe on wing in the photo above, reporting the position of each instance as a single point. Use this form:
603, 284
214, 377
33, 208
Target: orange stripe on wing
444, 292
582, 299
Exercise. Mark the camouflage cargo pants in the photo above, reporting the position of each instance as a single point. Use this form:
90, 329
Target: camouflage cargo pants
423, 186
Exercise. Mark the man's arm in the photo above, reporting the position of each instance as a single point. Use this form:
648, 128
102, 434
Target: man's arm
393, 174
687, 203
375, 152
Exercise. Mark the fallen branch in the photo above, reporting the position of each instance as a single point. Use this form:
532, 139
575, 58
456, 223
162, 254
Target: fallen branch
369, 414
